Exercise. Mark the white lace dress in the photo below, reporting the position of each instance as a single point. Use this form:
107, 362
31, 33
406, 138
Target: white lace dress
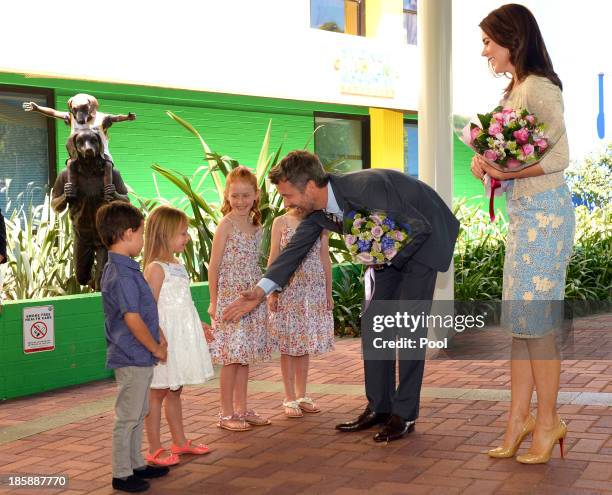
189, 361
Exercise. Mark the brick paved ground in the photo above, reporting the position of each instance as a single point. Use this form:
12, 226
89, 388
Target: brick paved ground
463, 410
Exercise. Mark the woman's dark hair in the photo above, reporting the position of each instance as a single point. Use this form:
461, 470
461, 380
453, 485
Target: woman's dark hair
514, 27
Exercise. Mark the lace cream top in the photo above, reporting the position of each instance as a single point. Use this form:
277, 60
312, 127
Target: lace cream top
544, 99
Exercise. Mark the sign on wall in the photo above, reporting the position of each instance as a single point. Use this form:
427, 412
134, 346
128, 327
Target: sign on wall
365, 72
38, 329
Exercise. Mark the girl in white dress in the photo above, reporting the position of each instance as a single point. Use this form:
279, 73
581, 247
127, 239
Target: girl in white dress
188, 361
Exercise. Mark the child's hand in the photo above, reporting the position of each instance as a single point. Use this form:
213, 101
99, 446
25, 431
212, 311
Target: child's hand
330, 302
212, 310
162, 338
161, 351
30, 106
273, 302
208, 333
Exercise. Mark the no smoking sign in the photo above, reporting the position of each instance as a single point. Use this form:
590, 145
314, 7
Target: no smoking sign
38, 329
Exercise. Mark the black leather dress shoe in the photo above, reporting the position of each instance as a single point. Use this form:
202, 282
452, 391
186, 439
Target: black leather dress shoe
365, 421
148, 472
394, 429
131, 484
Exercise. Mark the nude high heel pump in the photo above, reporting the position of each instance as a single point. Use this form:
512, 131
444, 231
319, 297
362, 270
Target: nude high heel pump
506, 452
558, 434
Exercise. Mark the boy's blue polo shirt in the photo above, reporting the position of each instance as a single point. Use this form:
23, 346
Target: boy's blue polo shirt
124, 290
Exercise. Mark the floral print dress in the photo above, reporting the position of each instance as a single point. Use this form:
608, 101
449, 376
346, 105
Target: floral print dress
538, 250
245, 341
303, 324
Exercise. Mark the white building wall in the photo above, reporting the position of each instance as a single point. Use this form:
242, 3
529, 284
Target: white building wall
263, 48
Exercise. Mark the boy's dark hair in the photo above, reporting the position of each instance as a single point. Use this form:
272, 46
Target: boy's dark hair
298, 167
113, 219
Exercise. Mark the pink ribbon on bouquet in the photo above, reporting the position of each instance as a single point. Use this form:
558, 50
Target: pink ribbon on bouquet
494, 187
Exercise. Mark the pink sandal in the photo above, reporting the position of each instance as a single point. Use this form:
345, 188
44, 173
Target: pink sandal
171, 460
233, 423
252, 418
188, 448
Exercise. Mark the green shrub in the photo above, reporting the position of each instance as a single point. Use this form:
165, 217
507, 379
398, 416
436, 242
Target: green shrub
348, 293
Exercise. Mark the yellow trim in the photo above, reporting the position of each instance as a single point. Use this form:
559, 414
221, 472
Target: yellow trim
351, 17
387, 138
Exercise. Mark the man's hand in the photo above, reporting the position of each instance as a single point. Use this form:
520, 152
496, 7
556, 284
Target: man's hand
69, 190
246, 303
208, 333
273, 302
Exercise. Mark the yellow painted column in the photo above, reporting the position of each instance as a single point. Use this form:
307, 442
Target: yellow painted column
386, 138
351, 17
386, 126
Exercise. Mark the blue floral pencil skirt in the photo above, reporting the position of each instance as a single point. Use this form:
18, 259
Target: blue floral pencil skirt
538, 249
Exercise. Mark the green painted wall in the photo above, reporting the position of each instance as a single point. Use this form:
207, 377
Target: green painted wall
80, 346
231, 124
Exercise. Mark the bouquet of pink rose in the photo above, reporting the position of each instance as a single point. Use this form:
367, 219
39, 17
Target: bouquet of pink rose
373, 238
510, 140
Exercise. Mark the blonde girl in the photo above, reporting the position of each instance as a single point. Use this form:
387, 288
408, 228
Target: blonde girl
189, 360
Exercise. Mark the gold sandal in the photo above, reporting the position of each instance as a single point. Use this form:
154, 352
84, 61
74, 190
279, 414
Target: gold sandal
312, 408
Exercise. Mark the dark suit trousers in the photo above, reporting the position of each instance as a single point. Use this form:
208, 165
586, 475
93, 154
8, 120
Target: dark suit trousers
414, 282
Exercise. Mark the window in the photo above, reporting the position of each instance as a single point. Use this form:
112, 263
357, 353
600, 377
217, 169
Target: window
340, 16
342, 141
411, 148
410, 21
27, 148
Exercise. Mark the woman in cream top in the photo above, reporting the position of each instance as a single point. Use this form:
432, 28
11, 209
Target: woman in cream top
545, 100
540, 234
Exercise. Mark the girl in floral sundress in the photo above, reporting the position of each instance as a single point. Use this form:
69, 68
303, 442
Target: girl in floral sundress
233, 268
300, 318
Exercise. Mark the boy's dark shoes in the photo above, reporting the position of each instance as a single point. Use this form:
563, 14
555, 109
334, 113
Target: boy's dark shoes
151, 472
130, 484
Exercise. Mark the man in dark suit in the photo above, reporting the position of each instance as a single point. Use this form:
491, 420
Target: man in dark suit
2, 239
327, 199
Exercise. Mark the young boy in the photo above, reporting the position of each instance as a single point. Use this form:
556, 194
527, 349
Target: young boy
133, 340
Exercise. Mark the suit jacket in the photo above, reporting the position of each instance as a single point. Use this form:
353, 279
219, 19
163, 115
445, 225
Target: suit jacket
433, 226
2, 238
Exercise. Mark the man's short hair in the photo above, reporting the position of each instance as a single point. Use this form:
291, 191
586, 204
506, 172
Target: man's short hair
113, 219
298, 167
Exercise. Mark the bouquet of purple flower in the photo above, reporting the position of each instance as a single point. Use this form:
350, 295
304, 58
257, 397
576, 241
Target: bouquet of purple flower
374, 238
508, 139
